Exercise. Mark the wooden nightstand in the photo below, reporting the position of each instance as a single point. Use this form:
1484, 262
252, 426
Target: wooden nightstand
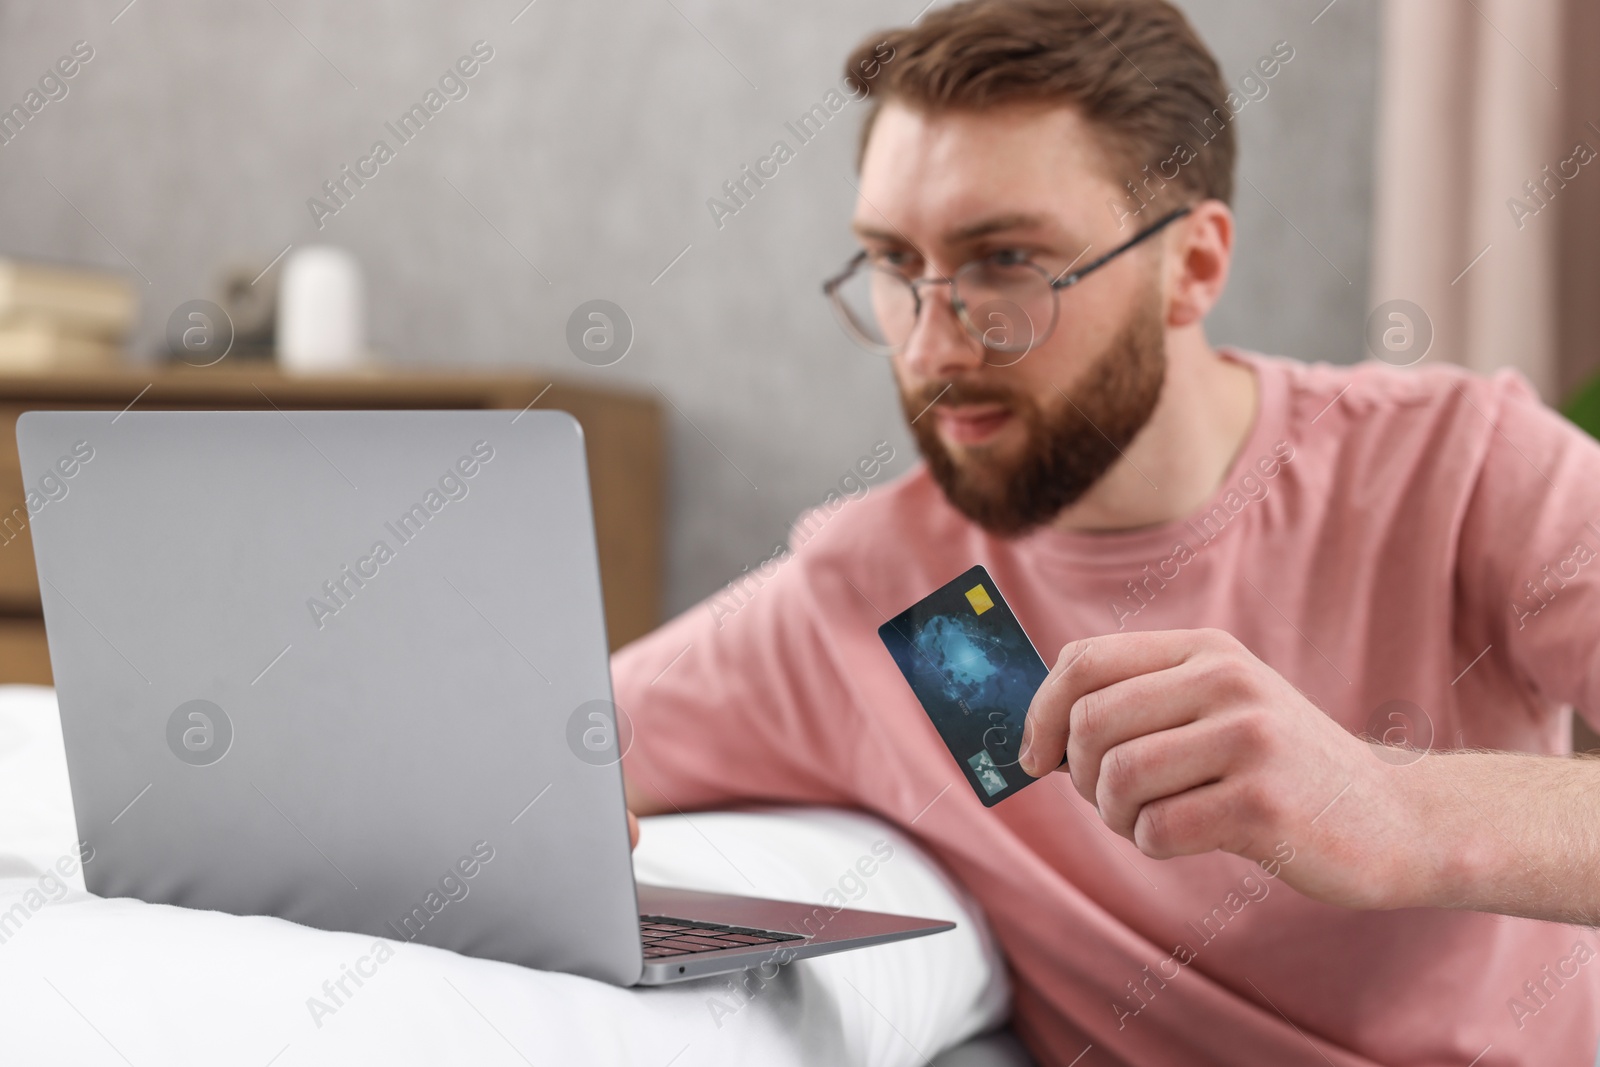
623, 432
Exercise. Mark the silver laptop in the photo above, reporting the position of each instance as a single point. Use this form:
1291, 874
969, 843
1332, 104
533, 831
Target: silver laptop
350, 669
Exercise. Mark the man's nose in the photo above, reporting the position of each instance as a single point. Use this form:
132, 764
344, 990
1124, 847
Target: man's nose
939, 346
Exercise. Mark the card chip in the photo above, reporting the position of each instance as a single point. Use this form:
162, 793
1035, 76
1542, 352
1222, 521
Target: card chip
978, 597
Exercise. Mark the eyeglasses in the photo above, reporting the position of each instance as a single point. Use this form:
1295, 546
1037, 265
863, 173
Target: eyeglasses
1008, 305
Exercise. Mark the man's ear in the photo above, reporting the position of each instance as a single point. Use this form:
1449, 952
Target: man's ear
1200, 251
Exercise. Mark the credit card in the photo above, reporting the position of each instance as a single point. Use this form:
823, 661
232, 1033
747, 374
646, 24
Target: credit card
974, 671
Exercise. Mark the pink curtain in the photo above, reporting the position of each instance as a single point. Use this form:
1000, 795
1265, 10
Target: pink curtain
1487, 197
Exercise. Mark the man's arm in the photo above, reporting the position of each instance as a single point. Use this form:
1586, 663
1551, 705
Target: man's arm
1186, 743
734, 701
1528, 827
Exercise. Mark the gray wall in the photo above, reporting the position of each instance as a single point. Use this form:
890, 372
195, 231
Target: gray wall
587, 148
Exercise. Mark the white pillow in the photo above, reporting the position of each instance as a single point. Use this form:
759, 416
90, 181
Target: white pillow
36, 826
898, 1003
177, 986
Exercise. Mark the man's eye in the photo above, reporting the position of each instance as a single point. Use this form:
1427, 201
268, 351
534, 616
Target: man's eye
899, 261
1008, 257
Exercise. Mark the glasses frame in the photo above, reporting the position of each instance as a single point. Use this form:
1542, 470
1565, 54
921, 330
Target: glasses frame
831, 287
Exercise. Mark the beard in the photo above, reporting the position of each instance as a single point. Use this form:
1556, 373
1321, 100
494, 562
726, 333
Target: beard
1068, 445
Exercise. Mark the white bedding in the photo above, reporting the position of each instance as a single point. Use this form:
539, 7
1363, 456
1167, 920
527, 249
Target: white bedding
85, 980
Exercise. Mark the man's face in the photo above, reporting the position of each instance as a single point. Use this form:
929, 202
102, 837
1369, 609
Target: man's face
1013, 441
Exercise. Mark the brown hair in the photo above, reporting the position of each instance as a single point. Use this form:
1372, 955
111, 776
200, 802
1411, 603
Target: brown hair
1135, 69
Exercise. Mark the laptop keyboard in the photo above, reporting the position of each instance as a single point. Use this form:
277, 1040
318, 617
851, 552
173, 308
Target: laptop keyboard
664, 936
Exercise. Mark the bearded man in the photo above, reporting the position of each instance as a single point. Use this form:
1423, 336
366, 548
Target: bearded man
1246, 570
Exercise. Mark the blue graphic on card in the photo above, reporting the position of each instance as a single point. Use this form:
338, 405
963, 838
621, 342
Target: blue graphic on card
973, 669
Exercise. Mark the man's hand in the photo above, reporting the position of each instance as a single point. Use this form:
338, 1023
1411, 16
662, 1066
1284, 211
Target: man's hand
633, 831
1185, 743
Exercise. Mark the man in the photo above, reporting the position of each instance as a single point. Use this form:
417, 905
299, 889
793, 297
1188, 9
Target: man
1243, 568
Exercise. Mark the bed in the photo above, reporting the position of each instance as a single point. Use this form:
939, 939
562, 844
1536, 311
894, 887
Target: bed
87, 980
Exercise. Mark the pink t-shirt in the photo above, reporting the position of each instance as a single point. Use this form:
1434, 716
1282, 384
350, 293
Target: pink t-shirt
1422, 536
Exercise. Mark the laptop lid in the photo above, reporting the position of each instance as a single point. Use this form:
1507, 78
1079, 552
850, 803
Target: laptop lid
344, 668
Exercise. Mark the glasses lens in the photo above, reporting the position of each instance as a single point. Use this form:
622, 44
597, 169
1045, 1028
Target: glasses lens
1009, 307
876, 305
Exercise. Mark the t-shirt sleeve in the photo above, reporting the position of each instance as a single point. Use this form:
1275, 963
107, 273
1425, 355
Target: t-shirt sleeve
1530, 543
739, 699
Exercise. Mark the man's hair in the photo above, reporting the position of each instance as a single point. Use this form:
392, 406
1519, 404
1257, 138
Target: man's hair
1135, 69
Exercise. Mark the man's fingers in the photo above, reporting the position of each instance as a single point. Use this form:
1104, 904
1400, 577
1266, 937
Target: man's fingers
1082, 732
1088, 665
633, 831
1100, 721
1044, 731
1152, 767
1192, 822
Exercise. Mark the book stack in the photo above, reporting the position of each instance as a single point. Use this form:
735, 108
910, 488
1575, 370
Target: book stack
55, 318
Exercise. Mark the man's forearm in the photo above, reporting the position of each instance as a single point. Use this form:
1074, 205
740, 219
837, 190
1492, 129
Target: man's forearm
1506, 832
